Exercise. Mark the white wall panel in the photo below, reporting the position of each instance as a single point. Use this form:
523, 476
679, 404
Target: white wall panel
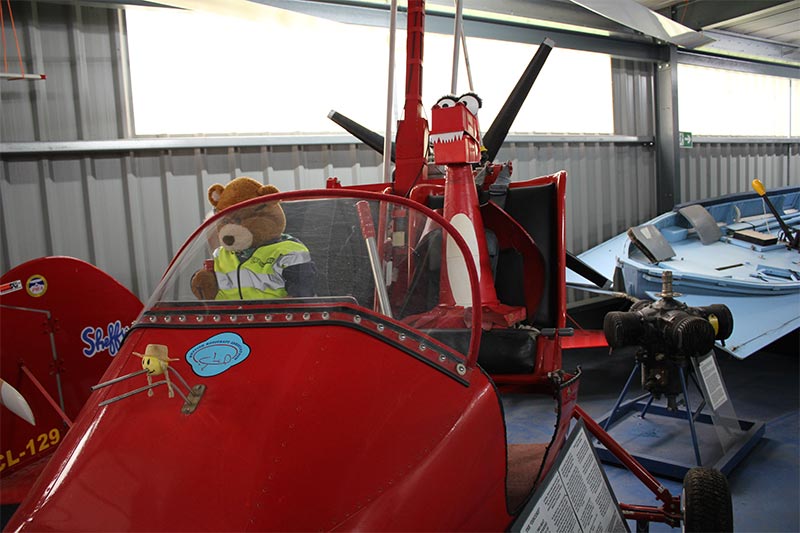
130, 212
609, 185
711, 169
66, 202
24, 213
633, 97
106, 219
75, 47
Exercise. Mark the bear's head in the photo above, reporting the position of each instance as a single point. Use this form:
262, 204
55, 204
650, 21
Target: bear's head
248, 227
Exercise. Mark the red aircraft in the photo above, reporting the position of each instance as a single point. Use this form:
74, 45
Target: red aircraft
52, 351
374, 405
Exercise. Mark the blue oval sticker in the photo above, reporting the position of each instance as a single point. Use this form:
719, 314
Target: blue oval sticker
217, 354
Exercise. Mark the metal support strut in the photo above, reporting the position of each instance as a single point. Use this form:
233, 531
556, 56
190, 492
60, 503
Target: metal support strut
619, 410
669, 513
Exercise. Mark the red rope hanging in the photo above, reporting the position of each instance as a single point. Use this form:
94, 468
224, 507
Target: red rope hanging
3, 35
16, 40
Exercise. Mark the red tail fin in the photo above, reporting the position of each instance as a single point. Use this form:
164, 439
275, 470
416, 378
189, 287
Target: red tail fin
63, 320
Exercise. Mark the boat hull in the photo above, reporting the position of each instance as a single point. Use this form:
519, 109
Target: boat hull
759, 281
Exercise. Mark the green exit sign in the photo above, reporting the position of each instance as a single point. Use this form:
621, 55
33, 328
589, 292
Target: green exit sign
685, 139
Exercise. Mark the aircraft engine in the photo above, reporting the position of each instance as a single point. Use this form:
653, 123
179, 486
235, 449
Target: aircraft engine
664, 335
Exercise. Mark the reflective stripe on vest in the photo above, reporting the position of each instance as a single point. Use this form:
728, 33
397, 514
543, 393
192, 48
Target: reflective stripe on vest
260, 276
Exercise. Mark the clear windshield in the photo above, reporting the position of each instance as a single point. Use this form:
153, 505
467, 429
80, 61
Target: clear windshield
326, 255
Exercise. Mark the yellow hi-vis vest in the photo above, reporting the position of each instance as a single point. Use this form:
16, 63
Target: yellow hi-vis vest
259, 276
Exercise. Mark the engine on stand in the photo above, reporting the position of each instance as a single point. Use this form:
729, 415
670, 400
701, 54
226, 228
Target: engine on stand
672, 343
665, 335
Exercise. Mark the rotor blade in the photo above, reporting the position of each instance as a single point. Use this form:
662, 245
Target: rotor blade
579, 267
496, 134
367, 136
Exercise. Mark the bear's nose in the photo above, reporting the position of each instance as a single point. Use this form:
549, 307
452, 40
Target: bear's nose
229, 240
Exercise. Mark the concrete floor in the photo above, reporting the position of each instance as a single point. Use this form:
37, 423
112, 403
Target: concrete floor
765, 485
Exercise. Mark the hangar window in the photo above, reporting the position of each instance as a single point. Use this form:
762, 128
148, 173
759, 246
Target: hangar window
271, 71
726, 102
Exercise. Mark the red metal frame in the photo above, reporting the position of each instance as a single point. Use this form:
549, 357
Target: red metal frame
670, 512
511, 235
458, 147
412, 132
46, 395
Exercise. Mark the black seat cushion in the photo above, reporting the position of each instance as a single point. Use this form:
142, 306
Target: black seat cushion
534, 208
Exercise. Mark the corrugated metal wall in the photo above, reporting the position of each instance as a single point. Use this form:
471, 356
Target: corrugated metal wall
610, 185
715, 167
633, 97
129, 210
77, 47
129, 213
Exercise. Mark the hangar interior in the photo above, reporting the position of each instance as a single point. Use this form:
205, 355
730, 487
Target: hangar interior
84, 184
84, 173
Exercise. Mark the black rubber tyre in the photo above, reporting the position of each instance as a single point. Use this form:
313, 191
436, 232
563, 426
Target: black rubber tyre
706, 504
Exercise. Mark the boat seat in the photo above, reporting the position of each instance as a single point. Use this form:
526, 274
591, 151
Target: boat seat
703, 223
674, 233
502, 351
755, 237
739, 226
651, 242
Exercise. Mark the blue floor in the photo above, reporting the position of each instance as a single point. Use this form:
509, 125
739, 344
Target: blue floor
765, 485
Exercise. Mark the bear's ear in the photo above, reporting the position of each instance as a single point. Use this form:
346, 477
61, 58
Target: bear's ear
215, 193
267, 189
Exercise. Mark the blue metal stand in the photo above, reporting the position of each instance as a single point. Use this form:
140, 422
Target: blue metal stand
660, 464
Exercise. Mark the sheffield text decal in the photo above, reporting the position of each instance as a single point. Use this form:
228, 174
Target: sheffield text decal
96, 340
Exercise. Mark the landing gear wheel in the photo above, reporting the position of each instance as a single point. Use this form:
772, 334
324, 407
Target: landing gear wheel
706, 501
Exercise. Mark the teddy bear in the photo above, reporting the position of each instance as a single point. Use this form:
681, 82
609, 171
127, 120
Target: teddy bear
255, 259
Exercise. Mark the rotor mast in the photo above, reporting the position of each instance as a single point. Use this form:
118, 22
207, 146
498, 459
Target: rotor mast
411, 152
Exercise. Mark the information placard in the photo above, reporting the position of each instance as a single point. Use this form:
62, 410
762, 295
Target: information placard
723, 415
710, 375
575, 496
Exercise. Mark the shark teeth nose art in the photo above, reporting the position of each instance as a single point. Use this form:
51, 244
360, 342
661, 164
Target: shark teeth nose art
448, 137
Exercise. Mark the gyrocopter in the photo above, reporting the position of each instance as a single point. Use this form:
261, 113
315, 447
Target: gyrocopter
374, 404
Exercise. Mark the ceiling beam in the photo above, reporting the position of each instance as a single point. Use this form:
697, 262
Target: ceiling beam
530, 21
633, 47
781, 55
634, 15
703, 14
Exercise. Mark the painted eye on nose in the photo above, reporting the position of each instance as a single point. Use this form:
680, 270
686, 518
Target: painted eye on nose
472, 101
446, 101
